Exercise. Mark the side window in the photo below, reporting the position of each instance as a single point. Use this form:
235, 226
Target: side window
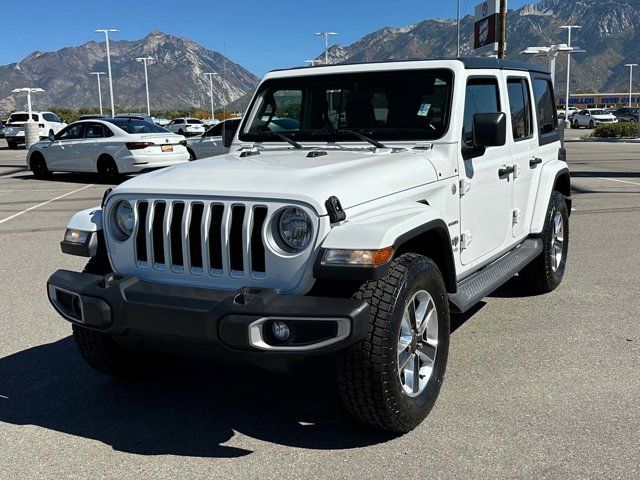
107, 131
72, 132
545, 106
50, 117
94, 130
520, 106
482, 96
215, 131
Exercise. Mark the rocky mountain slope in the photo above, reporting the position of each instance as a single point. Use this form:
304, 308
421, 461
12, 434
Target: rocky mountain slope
610, 34
176, 78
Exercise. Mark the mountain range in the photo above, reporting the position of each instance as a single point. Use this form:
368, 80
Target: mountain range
176, 75
610, 33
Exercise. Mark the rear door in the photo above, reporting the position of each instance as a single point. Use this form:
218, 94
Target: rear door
486, 195
524, 148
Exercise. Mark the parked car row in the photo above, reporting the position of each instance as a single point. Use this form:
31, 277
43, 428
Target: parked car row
111, 146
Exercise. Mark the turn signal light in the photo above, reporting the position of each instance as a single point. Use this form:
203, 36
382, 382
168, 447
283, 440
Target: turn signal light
364, 258
138, 145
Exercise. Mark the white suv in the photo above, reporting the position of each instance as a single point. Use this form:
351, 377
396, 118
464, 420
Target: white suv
397, 194
592, 117
186, 126
48, 123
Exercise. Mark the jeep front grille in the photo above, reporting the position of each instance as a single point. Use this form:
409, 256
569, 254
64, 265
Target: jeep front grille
201, 237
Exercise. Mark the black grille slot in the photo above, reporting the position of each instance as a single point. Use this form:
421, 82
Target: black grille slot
175, 233
215, 237
257, 247
157, 231
141, 234
235, 238
195, 238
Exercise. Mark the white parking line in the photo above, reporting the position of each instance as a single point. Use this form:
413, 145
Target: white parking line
616, 180
43, 204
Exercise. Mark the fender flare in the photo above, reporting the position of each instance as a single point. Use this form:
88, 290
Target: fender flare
396, 226
552, 173
89, 220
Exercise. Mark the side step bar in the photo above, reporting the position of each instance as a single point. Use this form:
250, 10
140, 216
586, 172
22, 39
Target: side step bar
474, 288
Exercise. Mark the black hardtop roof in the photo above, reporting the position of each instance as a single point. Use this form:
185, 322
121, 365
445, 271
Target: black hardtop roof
470, 63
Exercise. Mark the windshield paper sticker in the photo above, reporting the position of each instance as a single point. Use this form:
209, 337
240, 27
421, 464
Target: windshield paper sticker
424, 109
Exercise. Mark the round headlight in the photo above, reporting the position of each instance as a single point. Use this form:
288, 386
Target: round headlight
294, 226
123, 218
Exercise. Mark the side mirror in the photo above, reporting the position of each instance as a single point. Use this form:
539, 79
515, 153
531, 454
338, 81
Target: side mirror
489, 130
227, 136
52, 137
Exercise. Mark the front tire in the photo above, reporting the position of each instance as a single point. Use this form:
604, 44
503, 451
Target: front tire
391, 379
546, 271
39, 166
192, 155
592, 125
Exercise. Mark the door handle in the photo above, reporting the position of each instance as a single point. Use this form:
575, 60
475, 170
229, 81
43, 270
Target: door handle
535, 162
504, 171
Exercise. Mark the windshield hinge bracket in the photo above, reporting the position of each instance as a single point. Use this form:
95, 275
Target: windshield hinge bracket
335, 211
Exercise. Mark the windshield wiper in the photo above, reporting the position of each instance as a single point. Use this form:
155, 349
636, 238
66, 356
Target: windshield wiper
373, 142
290, 141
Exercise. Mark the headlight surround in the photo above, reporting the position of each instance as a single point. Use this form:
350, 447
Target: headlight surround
295, 229
123, 218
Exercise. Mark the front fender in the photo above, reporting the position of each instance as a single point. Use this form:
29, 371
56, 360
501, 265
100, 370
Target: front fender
551, 172
89, 220
381, 229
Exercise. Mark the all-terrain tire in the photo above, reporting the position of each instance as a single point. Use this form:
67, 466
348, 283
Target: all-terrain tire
544, 274
368, 373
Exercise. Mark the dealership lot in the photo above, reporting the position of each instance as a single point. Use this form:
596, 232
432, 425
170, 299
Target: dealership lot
536, 387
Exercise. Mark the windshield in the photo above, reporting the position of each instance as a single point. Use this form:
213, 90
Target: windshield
598, 112
393, 105
22, 117
136, 126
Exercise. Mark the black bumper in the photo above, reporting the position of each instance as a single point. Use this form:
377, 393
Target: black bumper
238, 321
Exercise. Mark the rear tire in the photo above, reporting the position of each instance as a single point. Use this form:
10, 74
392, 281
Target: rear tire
374, 387
192, 155
592, 125
545, 273
108, 170
12, 145
39, 166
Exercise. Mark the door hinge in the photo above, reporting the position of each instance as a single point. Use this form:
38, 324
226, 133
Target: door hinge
465, 240
516, 216
465, 186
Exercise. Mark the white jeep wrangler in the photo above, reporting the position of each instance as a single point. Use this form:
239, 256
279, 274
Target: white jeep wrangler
392, 195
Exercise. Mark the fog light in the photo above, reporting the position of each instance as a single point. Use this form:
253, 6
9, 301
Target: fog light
281, 331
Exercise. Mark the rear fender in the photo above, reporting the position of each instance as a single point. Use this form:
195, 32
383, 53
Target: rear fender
555, 176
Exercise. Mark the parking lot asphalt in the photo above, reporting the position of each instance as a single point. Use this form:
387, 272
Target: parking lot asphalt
544, 387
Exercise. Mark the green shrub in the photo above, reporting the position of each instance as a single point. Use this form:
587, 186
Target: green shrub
616, 130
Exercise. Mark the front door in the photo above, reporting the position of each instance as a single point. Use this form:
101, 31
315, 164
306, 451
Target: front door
486, 194
62, 153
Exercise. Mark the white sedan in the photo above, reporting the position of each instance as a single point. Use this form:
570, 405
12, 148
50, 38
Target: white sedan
109, 147
187, 126
592, 117
211, 142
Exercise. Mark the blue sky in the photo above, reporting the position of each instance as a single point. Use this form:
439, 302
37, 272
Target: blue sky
260, 35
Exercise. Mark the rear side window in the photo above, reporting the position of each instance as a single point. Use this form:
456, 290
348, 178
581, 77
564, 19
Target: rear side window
482, 96
520, 107
545, 106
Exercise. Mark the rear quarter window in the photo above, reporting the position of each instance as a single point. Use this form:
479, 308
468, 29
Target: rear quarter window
547, 116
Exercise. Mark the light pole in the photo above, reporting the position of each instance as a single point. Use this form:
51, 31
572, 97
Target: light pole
31, 134
106, 37
551, 53
326, 44
144, 60
458, 16
211, 75
569, 29
631, 65
97, 74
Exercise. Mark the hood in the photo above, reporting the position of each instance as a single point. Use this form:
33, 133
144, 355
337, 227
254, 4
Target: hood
355, 177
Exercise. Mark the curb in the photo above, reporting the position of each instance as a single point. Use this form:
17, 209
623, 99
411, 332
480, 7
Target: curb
604, 140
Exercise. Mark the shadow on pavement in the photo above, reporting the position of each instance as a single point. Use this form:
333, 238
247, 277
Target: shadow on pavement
72, 178
192, 411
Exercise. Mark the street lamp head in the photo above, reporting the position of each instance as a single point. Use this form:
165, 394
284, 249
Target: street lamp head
571, 26
631, 65
27, 90
98, 73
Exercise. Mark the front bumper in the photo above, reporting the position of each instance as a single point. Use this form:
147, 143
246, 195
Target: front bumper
238, 321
